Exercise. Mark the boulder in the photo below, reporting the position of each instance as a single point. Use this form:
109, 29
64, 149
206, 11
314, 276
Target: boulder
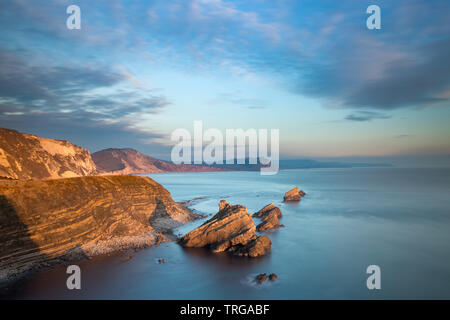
267, 210
231, 230
269, 215
294, 195
260, 278
273, 277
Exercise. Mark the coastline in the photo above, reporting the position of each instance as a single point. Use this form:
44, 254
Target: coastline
13, 272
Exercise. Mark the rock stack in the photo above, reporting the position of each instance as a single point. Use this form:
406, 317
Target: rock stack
269, 215
294, 195
231, 230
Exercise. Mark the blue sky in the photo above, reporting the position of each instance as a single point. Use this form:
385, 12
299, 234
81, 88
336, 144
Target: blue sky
137, 70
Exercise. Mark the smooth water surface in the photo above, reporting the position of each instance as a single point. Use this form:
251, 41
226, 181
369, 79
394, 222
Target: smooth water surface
398, 219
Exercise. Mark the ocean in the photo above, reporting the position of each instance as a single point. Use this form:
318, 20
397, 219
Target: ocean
351, 218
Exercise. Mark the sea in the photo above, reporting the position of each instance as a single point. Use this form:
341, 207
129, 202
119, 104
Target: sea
351, 218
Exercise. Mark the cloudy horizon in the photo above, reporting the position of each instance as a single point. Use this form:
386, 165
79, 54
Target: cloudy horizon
137, 70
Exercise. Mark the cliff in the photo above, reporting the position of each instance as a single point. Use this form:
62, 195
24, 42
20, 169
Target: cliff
25, 156
46, 220
129, 161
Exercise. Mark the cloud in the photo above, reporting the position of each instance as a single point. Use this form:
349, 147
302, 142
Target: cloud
406, 64
23, 83
403, 136
327, 54
362, 116
74, 100
85, 130
50, 88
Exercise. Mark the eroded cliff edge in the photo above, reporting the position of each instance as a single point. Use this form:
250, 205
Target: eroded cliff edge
52, 220
25, 156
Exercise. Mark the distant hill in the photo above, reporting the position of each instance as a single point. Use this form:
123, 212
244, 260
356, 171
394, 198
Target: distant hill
26, 156
311, 164
129, 161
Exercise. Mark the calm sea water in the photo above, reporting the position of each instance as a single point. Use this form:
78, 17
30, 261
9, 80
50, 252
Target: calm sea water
398, 219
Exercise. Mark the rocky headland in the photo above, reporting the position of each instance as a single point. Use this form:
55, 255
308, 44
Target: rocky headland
43, 222
130, 161
231, 230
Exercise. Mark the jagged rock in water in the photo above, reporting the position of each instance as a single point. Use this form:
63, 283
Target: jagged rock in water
47, 220
268, 210
273, 277
294, 195
269, 215
260, 278
231, 230
25, 156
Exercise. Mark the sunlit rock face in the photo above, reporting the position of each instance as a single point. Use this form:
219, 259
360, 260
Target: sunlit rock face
25, 156
45, 220
231, 230
269, 216
294, 195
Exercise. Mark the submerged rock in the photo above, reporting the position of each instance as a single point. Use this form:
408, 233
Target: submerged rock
294, 195
231, 230
269, 215
273, 277
260, 278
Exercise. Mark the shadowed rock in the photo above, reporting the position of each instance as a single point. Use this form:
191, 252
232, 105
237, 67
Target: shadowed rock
294, 195
260, 278
231, 230
273, 277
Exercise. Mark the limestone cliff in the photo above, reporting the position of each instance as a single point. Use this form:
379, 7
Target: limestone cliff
25, 156
44, 220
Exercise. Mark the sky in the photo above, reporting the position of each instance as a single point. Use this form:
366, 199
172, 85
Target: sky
138, 70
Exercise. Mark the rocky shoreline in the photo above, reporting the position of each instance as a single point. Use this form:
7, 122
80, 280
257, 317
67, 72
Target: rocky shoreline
231, 230
41, 226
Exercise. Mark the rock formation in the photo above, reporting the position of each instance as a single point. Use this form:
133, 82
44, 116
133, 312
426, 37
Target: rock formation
273, 277
231, 230
294, 195
269, 215
262, 277
25, 156
130, 161
43, 221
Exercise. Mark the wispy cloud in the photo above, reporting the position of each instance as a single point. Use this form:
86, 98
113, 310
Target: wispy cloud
362, 116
